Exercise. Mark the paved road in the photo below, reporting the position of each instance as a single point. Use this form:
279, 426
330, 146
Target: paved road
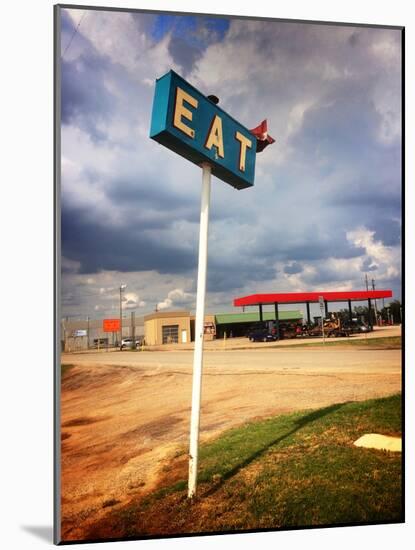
312, 359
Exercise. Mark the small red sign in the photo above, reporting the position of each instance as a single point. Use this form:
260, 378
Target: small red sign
111, 325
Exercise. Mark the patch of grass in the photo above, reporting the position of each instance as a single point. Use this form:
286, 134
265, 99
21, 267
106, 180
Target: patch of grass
292, 470
65, 369
388, 342
237, 448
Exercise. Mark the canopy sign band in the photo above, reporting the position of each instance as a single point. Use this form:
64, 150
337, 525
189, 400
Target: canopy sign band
188, 123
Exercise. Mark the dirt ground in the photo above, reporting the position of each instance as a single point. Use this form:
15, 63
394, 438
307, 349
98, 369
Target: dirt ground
123, 414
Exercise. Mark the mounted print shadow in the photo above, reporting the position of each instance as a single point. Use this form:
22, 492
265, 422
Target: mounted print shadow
229, 304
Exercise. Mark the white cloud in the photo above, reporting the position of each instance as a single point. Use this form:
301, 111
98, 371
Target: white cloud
364, 238
131, 300
174, 297
387, 258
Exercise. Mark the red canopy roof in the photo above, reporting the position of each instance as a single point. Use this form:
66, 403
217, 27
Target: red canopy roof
302, 297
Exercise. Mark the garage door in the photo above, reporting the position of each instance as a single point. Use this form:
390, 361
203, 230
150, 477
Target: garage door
170, 334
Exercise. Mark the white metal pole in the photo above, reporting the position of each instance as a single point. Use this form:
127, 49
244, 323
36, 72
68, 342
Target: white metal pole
120, 317
320, 299
199, 330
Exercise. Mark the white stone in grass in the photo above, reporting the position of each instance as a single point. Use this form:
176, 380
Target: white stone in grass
378, 441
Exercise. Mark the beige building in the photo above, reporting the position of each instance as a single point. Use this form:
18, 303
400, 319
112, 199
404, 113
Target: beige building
173, 327
167, 328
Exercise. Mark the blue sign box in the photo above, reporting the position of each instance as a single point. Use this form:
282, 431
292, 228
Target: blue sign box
188, 123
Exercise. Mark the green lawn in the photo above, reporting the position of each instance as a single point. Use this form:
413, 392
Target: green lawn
388, 342
287, 471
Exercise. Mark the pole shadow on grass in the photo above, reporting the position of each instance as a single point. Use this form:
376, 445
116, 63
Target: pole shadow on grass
298, 424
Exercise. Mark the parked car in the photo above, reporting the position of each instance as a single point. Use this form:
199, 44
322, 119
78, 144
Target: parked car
356, 327
129, 343
261, 335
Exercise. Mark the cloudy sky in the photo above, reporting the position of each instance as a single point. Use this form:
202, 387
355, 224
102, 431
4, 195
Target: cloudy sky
326, 205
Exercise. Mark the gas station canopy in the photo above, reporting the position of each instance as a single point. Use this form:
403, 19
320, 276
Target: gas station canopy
304, 297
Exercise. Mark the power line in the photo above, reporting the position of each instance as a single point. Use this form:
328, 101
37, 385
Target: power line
73, 34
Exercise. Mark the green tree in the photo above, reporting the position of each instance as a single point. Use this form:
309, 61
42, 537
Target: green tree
343, 315
396, 311
361, 311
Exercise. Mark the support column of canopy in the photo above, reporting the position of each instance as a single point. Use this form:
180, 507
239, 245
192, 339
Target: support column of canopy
277, 320
369, 305
350, 311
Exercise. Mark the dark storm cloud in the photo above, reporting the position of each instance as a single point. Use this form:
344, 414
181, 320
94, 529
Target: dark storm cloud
345, 122
393, 283
67, 28
154, 194
85, 99
386, 230
230, 276
320, 250
325, 275
353, 39
71, 299
293, 268
183, 53
364, 196
149, 193
189, 37
104, 247
136, 246
313, 246
143, 21
379, 212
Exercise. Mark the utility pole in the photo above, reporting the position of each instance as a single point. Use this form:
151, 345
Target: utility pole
376, 308
132, 331
87, 333
322, 305
367, 290
120, 342
122, 288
